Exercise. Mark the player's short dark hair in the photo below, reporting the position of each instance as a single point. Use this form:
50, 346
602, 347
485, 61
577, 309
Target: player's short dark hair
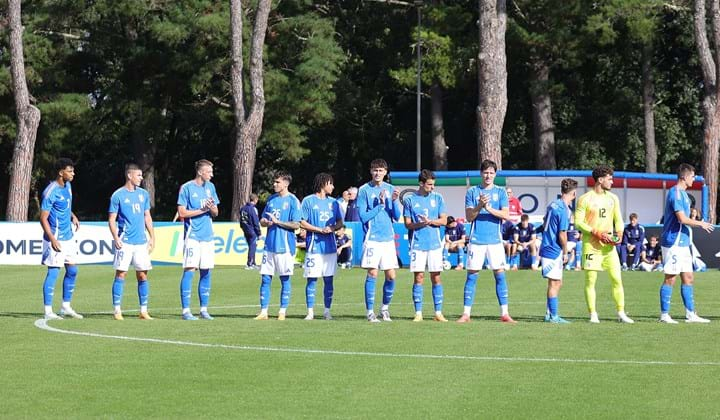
683, 169
633, 216
450, 219
567, 185
378, 163
63, 163
131, 167
321, 180
201, 163
426, 174
284, 175
524, 217
487, 164
602, 171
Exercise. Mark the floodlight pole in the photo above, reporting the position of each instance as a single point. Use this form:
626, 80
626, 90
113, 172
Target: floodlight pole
418, 93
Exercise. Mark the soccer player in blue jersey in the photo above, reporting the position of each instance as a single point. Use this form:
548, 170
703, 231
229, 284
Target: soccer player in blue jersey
553, 250
59, 247
486, 206
281, 217
424, 212
676, 246
321, 217
379, 206
197, 204
128, 218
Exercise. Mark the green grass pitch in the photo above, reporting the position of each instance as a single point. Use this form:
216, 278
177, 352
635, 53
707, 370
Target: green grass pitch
348, 368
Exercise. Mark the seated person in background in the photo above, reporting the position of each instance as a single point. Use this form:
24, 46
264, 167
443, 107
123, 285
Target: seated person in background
507, 239
524, 241
651, 256
344, 248
455, 241
632, 241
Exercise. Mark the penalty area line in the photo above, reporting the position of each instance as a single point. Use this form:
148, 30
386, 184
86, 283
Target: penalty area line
43, 325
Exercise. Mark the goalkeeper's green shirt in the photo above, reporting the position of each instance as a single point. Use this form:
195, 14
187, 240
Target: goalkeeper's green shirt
598, 212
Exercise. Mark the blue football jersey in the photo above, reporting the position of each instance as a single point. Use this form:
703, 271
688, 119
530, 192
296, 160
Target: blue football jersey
557, 219
57, 201
320, 212
674, 232
130, 207
431, 207
285, 209
486, 229
456, 233
378, 219
194, 197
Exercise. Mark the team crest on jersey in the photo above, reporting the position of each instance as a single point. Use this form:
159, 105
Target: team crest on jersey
208, 192
495, 197
141, 198
285, 206
330, 206
432, 203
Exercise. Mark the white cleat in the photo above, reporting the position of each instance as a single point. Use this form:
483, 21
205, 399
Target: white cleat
309, 317
692, 317
385, 314
594, 318
51, 316
71, 313
623, 318
666, 319
372, 318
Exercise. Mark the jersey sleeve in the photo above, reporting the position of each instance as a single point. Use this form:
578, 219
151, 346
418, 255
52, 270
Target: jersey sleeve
114, 204
337, 212
183, 199
295, 212
617, 215
306, 208
580, 214
442, 209
564, 220
503, 201
363, 206
407, 207
470, 199
146, 203
47, 200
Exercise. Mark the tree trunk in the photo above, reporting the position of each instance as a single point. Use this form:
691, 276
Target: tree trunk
145, 159
648, 108
492, 79
543, 127
440, 161
709, 62
28, 120
247, 128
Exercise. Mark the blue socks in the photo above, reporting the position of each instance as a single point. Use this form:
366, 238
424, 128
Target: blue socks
437, 292
665, 296
310, 292
49, 285
369, 293
69, 282
417, 293
265, 281
388, 290
686, 290
204, 288
285, 289
501, 289
470, 284
143, 292
328, 291
185, 286
117, 291
552, 306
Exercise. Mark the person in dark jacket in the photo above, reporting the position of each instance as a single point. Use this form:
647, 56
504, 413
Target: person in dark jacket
250, 225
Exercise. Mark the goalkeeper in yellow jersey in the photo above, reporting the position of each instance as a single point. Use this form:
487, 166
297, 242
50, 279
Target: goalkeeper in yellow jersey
597, 215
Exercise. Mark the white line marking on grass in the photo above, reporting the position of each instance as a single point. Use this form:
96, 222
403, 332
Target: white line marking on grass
43, 325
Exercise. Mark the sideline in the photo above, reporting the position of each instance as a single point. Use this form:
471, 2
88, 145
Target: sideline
43, 325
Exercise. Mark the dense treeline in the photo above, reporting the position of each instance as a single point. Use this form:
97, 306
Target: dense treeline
149, 81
